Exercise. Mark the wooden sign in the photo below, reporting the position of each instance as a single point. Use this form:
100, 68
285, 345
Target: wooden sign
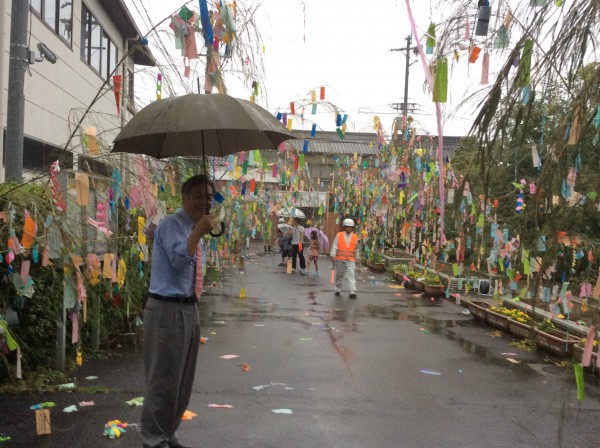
42, 422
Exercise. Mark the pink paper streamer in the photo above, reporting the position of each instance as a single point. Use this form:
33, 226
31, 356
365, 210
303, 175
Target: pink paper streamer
438, 112
485, 69
25, 266
467, 30
75, 329
586, 359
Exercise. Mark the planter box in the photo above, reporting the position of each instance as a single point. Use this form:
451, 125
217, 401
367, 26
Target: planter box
496, 320
434, 290
557, 342
477, 310
520, 330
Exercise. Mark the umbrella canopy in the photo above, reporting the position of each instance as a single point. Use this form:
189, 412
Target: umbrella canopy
284, 227
323, 240
294, 212
200, 125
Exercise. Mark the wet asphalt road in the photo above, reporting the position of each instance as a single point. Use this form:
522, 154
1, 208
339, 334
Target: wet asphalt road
390, 369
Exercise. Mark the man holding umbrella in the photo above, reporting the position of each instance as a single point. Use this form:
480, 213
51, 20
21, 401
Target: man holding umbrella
171, 323
344, 254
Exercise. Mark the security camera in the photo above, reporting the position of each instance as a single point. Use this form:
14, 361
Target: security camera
46, 53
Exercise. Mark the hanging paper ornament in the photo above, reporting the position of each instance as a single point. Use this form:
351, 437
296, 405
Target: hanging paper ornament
440, 86
430, 43
485, 68
159, 86
117, 83
207, 30
322, 93
502, 38
524, 73
520, 204
292, 108
483, 20
474, 54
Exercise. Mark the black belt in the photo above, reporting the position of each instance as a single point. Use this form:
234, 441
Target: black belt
186, 300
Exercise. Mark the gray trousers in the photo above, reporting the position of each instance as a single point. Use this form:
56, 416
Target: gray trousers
345, 269
171, 340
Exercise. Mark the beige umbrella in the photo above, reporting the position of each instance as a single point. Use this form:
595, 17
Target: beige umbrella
200, 125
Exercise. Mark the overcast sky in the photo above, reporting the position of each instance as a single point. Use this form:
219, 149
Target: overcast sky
344, 46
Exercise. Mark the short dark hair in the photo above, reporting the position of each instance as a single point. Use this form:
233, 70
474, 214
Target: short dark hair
196, 180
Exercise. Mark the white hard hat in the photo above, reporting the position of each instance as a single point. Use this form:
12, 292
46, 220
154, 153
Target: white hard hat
281, 220
348, 223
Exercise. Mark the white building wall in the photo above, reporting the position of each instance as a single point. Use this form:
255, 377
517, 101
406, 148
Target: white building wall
57, 95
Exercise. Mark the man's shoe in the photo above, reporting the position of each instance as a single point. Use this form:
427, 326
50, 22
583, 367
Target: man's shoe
281, 264
353, 296
337, 293
303, 272
179, 445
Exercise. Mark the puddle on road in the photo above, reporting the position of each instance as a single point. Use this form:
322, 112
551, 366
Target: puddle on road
348, 312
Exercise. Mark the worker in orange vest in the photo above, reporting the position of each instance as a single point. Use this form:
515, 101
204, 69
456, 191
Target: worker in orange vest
344, 254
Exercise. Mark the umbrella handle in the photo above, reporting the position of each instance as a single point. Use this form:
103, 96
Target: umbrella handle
217, 235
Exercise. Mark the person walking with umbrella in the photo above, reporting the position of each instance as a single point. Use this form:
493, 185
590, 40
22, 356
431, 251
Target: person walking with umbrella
171, 322
344, 254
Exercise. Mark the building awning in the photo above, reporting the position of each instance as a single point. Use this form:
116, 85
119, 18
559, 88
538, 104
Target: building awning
121, 17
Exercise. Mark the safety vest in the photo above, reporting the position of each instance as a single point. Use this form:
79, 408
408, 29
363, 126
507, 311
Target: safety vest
346, 253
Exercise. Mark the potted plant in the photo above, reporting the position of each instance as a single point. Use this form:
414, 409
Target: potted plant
433, 285
555, 341
376, 262
401, 273
418, 280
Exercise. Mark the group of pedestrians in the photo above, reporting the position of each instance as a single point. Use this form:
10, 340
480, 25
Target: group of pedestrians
345, 252
292, 241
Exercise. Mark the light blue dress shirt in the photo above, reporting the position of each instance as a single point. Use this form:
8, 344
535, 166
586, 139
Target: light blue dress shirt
173, 271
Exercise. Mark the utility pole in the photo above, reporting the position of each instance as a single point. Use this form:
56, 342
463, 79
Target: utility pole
15, 127
406, 51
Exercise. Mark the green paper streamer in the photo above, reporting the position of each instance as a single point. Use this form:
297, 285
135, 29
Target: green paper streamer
301, 161
524, 75
578, 368
185, 13
245, 167
523, 292
481, 220
526, 267
455, 269
314, 108
340, 133
440, 85
501, 263
412, 198
430, 43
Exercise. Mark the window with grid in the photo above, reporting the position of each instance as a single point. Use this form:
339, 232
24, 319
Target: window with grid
57, 15
97, 49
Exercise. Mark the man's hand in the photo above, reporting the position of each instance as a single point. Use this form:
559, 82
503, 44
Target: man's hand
206, 224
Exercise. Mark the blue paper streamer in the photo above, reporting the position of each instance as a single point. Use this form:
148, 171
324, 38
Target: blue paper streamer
207, 30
